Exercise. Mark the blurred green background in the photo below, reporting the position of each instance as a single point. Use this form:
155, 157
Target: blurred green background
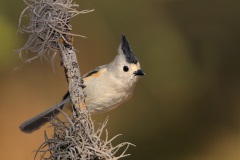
187, 106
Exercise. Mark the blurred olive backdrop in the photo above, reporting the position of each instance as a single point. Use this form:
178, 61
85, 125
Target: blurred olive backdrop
187, 106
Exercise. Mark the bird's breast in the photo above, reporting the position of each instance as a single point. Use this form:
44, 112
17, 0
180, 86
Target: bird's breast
103, 95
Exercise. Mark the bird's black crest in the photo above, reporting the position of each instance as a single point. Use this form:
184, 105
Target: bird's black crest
129, 55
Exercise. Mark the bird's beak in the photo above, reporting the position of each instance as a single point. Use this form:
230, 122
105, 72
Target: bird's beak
139, 73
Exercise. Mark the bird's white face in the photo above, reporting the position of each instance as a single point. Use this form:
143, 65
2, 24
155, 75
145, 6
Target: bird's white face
126, 73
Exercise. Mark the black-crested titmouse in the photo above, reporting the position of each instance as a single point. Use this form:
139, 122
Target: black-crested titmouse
106, 87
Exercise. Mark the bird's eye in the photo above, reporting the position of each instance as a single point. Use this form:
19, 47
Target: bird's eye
125, 68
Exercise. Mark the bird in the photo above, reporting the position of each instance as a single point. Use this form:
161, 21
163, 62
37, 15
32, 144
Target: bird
105, 87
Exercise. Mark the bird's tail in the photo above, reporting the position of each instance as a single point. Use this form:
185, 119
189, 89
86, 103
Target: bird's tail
39, 120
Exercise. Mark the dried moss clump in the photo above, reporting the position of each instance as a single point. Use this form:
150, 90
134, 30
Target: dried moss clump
76, 139
47, 23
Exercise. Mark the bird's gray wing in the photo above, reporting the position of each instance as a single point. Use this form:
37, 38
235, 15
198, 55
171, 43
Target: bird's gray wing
93, 71
39, 120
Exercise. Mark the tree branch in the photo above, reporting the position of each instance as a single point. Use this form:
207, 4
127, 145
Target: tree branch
72, 71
